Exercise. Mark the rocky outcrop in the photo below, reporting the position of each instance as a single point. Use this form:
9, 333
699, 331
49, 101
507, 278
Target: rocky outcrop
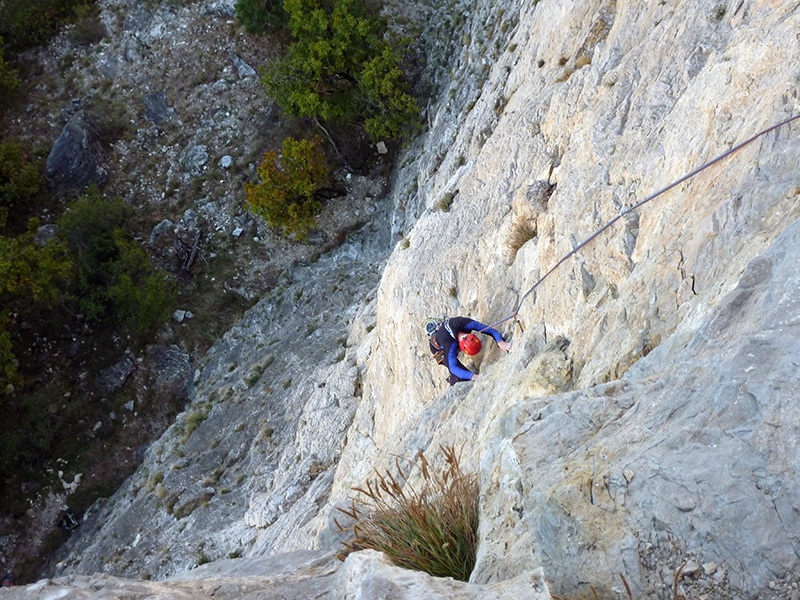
303, 574
255, 452
75, 160
644, 422
683, 459
156, 108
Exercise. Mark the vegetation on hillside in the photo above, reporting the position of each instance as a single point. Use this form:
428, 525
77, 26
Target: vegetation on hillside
20, 179
30, 278
339, 69
93, 274
27, 23
260, 16
340, 66
113, 278
77, 287
84, 274
9, 80
286, 196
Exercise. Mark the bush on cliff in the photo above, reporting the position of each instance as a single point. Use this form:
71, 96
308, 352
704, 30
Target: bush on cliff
20, 180
9, 80
432, 529
286, 195
31, 277
114, 278
26, 23
339, 66
258, 16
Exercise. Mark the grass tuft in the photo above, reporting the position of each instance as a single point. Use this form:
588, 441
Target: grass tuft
522, 231
432, 529
445, 202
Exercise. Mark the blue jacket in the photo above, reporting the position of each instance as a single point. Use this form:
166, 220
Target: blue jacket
449, 344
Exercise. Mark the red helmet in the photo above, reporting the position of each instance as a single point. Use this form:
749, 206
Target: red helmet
470, 344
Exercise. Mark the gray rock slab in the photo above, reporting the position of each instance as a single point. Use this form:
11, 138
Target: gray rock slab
170, 368
194, 159
115, 376
366, 575
242, 68
698, 462
75, 161
263, 566
137, 20
156, 108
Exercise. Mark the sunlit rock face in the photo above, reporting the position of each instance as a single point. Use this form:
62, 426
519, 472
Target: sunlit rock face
647, 414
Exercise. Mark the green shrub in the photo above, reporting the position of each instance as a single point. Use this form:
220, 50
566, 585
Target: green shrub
31, 278
30, 272
8, 362
26, 23
9, 80
390, 107
194, 419
29, 434
258, 16
20, 179
114, 278
87, 31
141, 301
339, 66
258, 371
432, 529
108, 118
446, 202
286, 196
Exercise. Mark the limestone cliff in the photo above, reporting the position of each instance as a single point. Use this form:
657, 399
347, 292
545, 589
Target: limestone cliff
645, 422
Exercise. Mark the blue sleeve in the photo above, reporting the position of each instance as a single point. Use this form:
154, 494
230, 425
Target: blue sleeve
478, 326
452, 364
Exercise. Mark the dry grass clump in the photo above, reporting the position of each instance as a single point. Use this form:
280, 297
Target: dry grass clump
522, 231
433, 528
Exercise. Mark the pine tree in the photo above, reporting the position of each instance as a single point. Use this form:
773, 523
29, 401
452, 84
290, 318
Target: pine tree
339, 66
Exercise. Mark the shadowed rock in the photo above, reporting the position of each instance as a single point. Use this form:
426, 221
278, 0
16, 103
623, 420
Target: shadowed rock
75, 160
156, 108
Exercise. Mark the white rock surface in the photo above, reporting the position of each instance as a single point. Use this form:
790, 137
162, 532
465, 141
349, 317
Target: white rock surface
647, 415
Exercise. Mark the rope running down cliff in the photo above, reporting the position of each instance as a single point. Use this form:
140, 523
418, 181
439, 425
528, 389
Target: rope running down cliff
580, 246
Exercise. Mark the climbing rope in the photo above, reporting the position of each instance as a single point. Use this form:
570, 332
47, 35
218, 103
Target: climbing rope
515, 315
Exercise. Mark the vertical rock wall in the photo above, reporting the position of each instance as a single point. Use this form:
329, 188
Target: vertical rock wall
590, 108
646, 416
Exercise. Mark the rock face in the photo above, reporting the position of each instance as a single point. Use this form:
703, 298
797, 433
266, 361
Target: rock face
645, 422
157, 108
304, 574
75, 159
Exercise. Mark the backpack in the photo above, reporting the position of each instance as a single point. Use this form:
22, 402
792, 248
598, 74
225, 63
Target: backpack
432, 327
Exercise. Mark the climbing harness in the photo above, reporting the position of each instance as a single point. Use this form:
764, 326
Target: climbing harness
515, 314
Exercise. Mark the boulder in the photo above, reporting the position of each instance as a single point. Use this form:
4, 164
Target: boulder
170, 369
114, 377
194, 159
75, 160
156, 108
242, 68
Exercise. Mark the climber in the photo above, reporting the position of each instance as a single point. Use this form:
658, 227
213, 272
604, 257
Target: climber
449, 335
